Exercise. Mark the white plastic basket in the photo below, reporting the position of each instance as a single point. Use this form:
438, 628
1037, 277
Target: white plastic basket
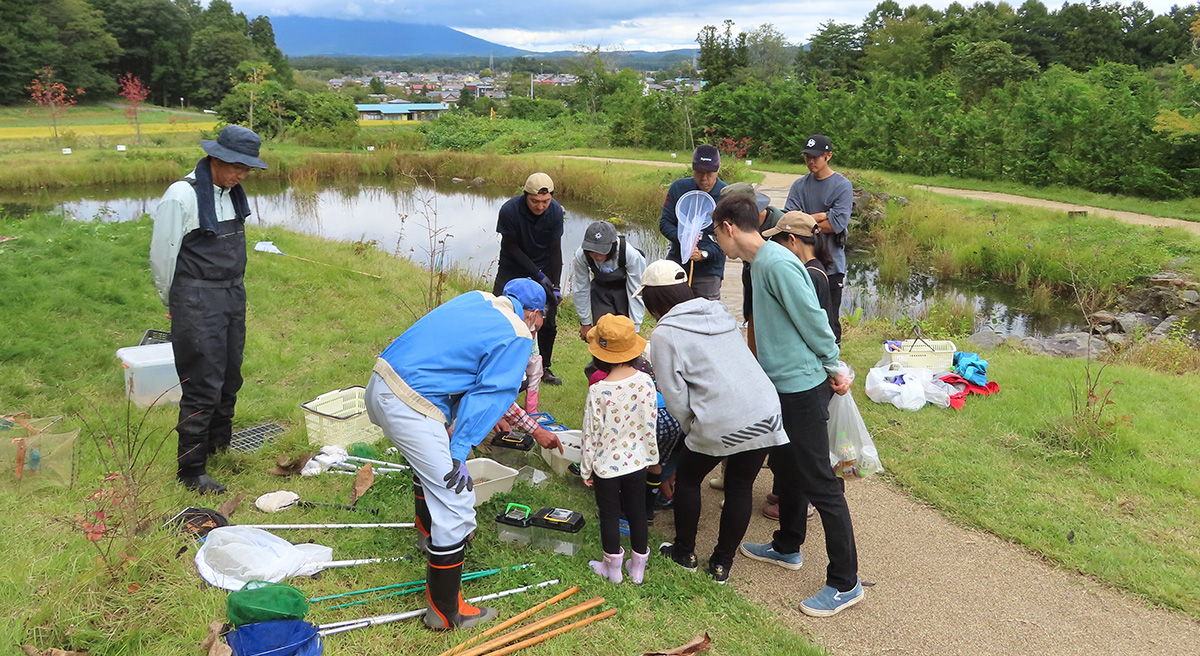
934, 354
339, 418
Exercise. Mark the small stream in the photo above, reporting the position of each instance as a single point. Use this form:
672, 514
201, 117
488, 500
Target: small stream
400, 219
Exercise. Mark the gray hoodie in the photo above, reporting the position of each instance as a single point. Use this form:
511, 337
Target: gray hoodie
711, 383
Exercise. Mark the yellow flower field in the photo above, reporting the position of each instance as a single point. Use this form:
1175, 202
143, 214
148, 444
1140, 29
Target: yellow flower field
105, 130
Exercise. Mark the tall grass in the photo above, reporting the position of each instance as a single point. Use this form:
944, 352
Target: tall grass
1030, 248
626, 191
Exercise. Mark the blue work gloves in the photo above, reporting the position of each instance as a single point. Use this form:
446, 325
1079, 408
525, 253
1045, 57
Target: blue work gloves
557, 295
459, 477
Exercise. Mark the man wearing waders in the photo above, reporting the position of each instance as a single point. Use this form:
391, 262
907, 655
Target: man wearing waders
462, 363
606, 271
198, 257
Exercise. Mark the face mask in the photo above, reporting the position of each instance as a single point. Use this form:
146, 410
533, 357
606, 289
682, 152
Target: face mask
607, 266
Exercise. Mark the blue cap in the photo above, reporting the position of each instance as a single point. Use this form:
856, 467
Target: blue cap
530, 294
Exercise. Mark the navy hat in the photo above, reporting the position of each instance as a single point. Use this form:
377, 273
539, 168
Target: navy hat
706, 158
818, 144
531, 295
236, 145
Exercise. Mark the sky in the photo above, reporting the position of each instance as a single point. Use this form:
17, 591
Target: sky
548, 25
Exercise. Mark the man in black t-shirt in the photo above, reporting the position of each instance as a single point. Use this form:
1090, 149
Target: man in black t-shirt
531, 229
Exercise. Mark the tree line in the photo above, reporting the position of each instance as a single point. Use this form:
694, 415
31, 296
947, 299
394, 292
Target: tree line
178, 48
1101, 96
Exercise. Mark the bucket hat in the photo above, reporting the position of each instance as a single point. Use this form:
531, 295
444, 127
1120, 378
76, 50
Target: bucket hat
236, 145
613, 339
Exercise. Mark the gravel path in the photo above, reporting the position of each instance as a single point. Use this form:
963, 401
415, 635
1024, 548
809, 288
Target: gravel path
938, 587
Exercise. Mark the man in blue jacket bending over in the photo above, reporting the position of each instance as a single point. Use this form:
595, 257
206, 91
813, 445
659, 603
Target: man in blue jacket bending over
462, 363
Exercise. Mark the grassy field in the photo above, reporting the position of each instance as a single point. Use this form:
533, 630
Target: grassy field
1127, 514
91, 121
311, 329
1030, 248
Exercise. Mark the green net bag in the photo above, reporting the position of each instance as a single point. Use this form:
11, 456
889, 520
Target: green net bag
260, 601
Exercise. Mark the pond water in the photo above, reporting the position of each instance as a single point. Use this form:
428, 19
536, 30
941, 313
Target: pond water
399, 220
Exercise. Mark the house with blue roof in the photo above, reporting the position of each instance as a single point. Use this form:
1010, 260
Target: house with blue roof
400, 111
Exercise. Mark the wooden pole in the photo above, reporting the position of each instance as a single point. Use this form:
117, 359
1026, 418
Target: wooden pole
542, 637
515, 619
533, 628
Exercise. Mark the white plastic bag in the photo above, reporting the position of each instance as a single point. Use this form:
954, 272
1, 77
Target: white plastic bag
892, 383
938, 392
852, 453
912, 394
879, 387
233, 555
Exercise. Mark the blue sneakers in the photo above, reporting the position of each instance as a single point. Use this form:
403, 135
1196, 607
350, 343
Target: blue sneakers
767, 554
831, 602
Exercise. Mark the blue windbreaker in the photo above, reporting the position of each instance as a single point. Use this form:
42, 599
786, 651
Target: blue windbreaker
468, 358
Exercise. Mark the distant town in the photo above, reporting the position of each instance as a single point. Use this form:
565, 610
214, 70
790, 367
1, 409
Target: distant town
447, 88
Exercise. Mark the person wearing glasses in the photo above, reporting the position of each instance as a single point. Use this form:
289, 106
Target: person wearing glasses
462, 365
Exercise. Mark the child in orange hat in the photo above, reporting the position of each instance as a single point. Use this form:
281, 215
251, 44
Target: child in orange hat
619, 443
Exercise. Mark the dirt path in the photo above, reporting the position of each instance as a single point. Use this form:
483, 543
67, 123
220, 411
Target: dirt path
1127, 217
940, 588
168, 110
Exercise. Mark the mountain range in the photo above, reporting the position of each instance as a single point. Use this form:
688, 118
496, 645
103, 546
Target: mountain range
299, 36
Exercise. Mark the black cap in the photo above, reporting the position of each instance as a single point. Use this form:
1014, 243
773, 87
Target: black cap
706, 158
818, 144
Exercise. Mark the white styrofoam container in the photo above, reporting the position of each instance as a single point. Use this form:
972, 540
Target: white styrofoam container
572, 444
150, 372
498, 478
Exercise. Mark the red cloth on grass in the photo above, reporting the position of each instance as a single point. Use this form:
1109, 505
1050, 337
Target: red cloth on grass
959, 399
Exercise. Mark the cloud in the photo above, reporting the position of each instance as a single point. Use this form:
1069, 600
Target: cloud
640, 24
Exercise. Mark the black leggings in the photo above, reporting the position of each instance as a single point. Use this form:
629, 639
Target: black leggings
740, 472
619, 494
